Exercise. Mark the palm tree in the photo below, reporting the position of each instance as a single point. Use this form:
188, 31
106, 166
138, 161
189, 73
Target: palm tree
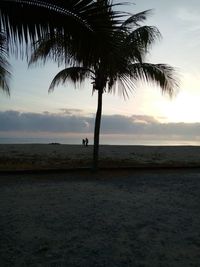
119, 62
4, 65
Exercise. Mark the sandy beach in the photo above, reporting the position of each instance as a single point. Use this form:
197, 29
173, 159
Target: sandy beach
135, 218
48, 156
113, 218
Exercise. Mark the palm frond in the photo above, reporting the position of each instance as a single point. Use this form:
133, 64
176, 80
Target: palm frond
30, 20
124, 85
60, 10
136, 18
73, 74
26, 21
56, 48
4, 65
84, 49
142, 38
162, 75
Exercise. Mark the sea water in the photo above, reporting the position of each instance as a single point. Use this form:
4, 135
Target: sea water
104, 140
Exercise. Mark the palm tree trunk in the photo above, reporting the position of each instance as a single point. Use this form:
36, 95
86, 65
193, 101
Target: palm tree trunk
97, 130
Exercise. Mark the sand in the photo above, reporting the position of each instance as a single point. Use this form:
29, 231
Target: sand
119, 218
48, 156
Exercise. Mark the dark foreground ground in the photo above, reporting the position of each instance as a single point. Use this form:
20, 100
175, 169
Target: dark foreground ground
124, 218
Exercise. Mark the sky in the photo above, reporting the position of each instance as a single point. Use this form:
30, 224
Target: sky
31, 112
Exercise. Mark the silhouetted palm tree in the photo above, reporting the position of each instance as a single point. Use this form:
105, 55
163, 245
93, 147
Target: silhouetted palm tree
4, 65
119, 61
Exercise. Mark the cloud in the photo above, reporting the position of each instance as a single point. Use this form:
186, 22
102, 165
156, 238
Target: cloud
43, 122
147, 125
71, 111
135, 125
143, 119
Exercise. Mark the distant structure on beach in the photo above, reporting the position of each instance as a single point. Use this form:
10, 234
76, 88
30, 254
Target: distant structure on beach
54, 143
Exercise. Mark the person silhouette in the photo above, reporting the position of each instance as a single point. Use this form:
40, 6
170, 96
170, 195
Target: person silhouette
86, 141
83, 142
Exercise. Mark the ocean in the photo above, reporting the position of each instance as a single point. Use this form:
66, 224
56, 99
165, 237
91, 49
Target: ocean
105, 140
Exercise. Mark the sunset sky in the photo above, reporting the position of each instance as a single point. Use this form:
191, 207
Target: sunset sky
30, 104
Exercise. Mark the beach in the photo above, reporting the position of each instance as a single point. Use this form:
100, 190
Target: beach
140, 209
59, 156
113, 218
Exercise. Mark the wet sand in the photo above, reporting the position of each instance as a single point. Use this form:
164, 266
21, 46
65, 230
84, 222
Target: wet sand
47, 156
112, 219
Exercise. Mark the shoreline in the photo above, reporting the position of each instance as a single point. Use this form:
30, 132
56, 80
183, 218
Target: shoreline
23, 157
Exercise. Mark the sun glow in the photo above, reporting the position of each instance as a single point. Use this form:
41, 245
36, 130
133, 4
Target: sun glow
185, 106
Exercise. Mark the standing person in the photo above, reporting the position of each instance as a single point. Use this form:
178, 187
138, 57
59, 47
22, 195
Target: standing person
83, 142
86, 141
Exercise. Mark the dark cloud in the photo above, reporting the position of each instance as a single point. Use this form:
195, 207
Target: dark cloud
43, 122
137, 125
147, 125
